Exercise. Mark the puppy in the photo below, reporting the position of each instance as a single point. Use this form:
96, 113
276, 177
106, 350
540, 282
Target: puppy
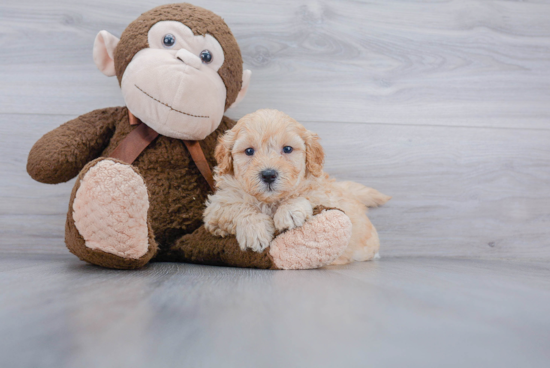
270, 177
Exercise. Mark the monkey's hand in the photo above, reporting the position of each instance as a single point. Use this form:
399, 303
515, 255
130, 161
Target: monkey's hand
60, 154
292, 214
255, 232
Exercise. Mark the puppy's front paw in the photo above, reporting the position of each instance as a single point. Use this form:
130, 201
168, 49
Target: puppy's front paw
255, 232
214, 229
292, 215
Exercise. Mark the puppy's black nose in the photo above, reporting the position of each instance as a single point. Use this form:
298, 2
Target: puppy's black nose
269, 176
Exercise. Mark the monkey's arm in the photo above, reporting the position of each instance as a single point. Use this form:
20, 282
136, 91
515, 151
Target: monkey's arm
318, 243
60, 154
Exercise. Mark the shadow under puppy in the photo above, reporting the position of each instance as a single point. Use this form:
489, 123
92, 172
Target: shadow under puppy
270, 177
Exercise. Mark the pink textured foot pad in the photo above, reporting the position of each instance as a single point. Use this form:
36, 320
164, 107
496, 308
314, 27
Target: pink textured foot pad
316, 244
110, 210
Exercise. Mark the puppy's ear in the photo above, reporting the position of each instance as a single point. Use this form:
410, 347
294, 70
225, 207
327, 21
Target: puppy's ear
223, 153
315, 156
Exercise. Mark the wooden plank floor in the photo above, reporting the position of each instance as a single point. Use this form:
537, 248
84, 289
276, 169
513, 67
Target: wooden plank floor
457, 191
468, 63
397, 312
443, 105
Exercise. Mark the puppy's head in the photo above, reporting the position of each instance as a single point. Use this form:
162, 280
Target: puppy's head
270, 154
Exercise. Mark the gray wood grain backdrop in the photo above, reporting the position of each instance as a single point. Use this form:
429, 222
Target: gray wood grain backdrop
444, 105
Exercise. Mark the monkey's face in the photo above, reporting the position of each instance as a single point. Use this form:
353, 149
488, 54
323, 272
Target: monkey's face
174, 86
176, 79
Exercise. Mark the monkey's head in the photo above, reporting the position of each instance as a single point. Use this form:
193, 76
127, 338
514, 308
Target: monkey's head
179, 68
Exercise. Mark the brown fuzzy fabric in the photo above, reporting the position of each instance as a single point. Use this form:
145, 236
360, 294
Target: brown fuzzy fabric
177, 190
317, 210
201, 22
204, 248
60, 154
76, 243
176, 187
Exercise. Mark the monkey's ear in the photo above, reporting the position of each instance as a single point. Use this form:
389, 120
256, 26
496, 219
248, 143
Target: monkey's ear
104, 51
246, 81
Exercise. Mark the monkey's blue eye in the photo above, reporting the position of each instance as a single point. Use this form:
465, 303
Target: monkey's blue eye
206, 56
169, 40
249, 151
287, 149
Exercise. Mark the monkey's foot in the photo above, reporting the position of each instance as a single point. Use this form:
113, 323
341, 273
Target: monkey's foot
320, 241
109, 211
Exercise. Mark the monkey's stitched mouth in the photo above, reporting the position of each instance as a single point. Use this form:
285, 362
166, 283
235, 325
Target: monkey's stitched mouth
170, 107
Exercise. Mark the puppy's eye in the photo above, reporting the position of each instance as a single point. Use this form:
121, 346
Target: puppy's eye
287, 149
169, 40
249, 151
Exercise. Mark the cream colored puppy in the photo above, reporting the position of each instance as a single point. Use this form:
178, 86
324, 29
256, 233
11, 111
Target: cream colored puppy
270, 177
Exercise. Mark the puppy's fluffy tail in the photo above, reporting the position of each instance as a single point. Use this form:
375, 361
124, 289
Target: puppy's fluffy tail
368, 196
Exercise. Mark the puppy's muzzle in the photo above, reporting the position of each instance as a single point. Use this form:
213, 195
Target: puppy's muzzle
268, 176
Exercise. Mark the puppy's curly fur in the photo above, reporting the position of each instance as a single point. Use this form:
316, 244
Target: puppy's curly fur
253, 205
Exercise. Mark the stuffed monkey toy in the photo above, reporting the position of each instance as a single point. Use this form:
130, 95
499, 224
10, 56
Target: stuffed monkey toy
144, 170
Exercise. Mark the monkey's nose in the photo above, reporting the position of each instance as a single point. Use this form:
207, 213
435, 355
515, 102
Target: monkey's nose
189, 58
269, 176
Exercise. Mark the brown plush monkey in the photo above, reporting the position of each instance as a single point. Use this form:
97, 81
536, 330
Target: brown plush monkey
140, 194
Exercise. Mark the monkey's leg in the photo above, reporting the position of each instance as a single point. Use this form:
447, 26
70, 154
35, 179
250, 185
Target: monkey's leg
320, 241
107, 223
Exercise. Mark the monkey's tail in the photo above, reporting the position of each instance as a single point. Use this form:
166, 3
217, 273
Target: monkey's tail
368, 196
